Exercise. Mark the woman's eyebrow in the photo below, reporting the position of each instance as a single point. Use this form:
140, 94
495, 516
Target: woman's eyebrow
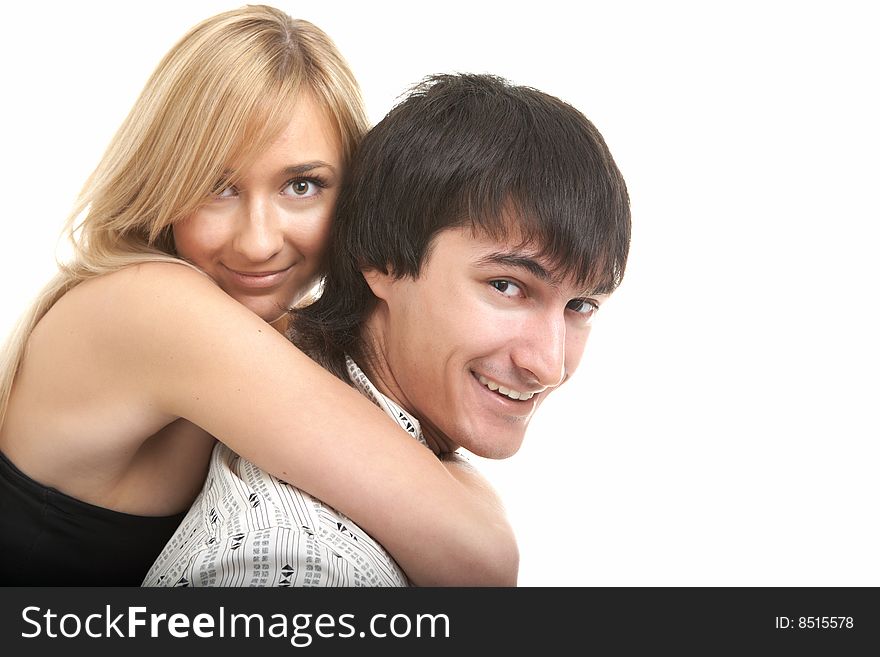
305, 167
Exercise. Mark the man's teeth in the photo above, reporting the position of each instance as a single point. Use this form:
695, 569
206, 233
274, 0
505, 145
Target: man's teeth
507, 392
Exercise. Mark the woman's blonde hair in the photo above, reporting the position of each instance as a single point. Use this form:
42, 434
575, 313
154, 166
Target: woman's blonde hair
217, 99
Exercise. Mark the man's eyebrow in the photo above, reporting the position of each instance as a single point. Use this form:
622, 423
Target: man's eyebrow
305, 167
518, 261
530, 264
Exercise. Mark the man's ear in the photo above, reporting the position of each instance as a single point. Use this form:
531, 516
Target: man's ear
379, 280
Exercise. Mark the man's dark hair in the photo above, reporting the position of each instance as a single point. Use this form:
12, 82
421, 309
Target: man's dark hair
467, 151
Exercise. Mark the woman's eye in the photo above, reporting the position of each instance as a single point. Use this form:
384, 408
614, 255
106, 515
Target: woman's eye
301, 188
583, 307
507, 288
224, 191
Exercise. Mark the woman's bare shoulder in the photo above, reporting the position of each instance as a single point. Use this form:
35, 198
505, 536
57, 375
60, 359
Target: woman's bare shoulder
146, 278
116, 321
146, 328
143, 296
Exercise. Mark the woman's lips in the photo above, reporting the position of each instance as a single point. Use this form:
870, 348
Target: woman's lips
258, 280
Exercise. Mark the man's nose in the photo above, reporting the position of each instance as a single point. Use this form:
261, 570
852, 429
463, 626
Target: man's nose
540, 349
259, 233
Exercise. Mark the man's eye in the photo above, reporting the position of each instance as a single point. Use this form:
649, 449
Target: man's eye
507, 288
583, 307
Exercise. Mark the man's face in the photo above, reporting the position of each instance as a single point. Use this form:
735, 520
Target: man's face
477, 342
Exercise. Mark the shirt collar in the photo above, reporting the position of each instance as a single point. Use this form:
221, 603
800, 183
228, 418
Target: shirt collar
394, 410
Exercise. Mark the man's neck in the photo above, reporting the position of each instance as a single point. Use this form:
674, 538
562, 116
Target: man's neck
377, 370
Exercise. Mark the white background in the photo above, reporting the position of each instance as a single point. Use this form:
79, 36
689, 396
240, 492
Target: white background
722, 429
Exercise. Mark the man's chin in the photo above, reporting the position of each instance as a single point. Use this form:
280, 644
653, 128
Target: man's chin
494, 444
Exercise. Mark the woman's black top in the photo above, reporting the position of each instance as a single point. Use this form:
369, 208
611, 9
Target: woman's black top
48, 538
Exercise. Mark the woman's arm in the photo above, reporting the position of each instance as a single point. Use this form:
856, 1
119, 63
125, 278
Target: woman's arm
470, 477
198, 354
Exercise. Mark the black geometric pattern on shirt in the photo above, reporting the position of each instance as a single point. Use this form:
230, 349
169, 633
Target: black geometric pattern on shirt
183, 581
307, 530
345, 530
409, 425
212, 516
236, 541
286, 573
254, 500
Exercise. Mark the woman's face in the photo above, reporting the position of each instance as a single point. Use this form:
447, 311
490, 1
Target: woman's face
262, 240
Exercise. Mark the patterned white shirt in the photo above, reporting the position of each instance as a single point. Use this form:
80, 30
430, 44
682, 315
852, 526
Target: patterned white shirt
248, 528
